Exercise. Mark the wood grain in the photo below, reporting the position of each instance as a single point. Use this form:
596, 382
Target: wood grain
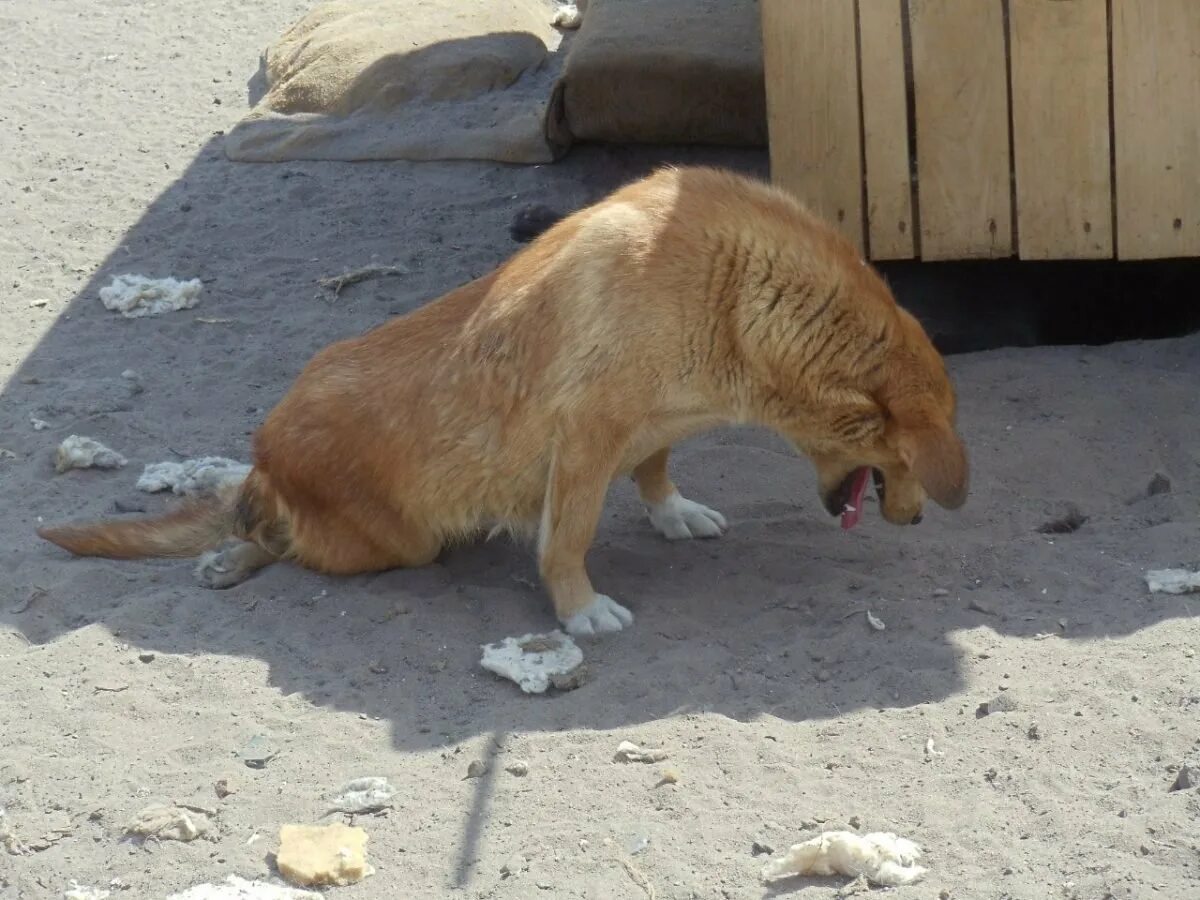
890, 230
1061, 149
1156, 116
810, 62
960, 79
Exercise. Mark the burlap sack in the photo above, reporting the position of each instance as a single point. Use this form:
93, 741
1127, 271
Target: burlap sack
667, 71
409, 79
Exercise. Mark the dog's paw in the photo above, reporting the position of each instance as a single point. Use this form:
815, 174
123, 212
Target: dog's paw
603, 614
679, 519
216, 571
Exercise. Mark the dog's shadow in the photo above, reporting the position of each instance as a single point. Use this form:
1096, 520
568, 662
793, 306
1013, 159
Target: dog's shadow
769, 620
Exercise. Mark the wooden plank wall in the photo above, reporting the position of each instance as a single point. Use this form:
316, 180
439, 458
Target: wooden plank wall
1156, 120
960, 80
812, 109
1060, 124
890, 226
1046, 129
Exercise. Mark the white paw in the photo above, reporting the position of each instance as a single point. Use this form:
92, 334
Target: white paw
604, 614
216, 572
678, 519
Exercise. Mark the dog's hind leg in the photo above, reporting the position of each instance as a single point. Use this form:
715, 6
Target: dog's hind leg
673, 515
233, 565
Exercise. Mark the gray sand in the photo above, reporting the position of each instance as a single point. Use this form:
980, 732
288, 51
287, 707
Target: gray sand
751, 660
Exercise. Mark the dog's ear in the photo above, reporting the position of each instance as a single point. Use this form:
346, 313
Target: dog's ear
936, 455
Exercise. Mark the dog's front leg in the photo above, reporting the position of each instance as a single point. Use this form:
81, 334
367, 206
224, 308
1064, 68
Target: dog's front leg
575, 489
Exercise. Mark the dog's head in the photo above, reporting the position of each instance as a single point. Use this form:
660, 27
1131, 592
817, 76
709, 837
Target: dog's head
892, 424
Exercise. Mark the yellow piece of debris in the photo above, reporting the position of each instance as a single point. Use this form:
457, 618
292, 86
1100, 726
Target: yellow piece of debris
317, 855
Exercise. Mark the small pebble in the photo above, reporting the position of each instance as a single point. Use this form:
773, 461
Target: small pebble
519, 768
1069, 522
477, 768
569, 681
637, 844
1159, 484
515, 865
758, 848
531, 221
1001, 703
1187, 779
146, 657
258, 752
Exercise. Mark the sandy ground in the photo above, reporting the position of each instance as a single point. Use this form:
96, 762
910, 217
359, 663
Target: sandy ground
751, 660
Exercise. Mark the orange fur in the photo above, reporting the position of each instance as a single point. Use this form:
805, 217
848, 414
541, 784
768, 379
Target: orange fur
188, 530
691, 299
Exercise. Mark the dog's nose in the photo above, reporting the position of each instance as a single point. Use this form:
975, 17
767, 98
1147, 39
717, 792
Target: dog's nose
916, 520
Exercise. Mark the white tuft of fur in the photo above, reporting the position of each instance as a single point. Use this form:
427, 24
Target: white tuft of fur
547, 505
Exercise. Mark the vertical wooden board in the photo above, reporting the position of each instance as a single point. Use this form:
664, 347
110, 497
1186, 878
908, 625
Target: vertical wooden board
1156, 119
1060, 125
810, 61
890, 229
960, 76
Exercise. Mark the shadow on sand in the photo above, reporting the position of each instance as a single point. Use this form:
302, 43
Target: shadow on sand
769, 621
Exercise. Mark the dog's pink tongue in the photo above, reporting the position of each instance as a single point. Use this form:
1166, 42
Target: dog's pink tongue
858, 494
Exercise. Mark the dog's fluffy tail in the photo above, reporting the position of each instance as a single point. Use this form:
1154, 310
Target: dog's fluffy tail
190, 529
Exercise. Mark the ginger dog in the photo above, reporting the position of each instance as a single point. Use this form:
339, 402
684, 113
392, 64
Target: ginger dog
691, 299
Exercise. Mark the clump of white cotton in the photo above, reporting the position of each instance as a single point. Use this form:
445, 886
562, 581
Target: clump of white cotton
534, 661
880, 857
76, 452
134, 296
206, 475
568, 16
1173, 581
